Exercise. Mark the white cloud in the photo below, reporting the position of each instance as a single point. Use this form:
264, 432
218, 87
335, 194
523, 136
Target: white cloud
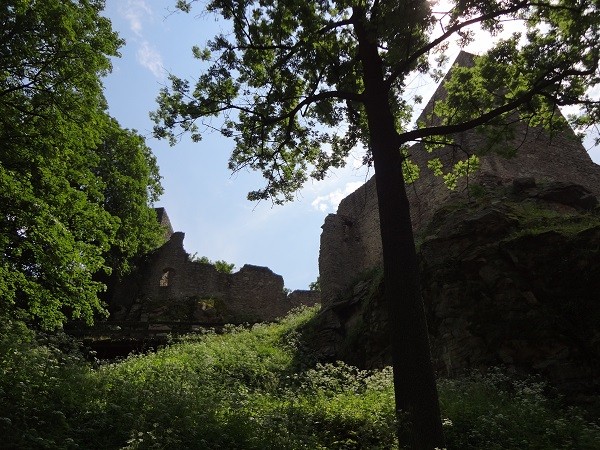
151, 59
135, 11
330, 202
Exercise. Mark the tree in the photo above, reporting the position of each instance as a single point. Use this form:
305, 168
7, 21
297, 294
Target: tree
315, 285
131, 181
58, 181
220, 265
299, 84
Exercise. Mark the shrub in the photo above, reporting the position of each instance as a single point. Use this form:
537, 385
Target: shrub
246, 389
44, 383
496, 411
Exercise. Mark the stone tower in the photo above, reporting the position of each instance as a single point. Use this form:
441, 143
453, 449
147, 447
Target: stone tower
350, 241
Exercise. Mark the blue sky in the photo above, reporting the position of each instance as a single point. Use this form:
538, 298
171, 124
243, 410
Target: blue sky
202, 198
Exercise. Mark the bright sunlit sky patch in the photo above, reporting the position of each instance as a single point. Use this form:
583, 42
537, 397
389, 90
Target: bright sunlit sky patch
202, 198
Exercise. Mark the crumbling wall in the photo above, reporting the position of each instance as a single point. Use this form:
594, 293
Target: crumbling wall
512, 283
163, 219
350, 241
256, 293
169, 287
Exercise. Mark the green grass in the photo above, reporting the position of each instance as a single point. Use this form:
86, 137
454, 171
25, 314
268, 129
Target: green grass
536, 219
249, 389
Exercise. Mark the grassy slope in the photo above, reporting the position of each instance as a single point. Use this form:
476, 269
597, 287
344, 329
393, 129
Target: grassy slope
249, 389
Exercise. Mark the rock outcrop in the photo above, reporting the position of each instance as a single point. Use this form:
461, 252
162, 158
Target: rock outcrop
510, 261
511, 279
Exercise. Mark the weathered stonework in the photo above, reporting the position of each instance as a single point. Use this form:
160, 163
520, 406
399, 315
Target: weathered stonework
509, 271
169, 288
510, 279
163, 219
350, 241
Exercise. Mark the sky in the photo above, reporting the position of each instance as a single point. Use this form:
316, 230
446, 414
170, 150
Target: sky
202, 198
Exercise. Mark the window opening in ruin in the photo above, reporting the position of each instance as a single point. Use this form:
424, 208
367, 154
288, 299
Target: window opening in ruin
167, 277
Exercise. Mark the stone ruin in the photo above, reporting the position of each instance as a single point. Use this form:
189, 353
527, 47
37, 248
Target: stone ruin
351, 242
170, 293
510, 278
494, 294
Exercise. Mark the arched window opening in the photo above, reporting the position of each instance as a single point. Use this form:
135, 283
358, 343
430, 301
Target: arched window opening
167, 277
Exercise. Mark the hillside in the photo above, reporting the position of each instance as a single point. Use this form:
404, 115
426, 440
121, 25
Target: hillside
258, 388
509, 276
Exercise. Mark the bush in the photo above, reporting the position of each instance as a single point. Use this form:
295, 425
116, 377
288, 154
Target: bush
44, 387
246, 389
495, 411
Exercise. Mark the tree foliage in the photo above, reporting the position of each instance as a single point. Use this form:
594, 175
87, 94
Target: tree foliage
61, 159
131, 180
220, 265
288, 80
298, 85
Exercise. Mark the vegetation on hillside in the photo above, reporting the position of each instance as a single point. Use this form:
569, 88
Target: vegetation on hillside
256, 388
75, 188
299, 85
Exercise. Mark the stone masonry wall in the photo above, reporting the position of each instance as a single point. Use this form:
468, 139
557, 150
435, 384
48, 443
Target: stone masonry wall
169, 287
163, 219
350, 241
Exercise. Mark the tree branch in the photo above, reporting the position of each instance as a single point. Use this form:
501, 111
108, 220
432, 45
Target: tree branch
449, 32
341, 95
490, 115
333, 25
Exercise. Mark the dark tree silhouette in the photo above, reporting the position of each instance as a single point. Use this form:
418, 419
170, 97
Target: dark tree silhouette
298, 84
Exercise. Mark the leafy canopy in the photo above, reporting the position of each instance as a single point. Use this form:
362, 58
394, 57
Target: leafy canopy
131, 181
66, 169
288, 81
288, 85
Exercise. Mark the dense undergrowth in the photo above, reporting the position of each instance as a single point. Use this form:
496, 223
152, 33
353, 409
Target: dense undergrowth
250, 389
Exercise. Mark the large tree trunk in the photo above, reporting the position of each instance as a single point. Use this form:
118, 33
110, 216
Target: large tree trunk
414, 382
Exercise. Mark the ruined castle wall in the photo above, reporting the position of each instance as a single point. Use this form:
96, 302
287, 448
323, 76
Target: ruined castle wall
545, 158
301, 297
350, 241
163, 220
170, 287
184, 278
256, 293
